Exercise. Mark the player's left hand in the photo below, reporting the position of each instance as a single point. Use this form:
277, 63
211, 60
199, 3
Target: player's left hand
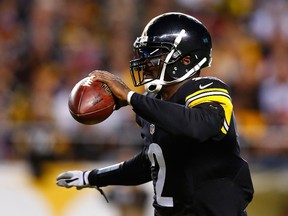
118, 87
78, 179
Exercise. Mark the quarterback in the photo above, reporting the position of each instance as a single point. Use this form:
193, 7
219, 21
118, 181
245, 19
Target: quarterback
191, 151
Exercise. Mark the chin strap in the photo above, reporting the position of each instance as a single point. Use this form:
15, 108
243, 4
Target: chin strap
190, 73
152, 86
155, 86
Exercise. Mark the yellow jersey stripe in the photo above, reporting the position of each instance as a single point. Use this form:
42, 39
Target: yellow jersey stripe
220, 96
207, 90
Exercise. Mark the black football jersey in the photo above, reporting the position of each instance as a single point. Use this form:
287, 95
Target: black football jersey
189, 141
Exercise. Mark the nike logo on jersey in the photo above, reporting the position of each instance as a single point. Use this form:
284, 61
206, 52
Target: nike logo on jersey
205, 86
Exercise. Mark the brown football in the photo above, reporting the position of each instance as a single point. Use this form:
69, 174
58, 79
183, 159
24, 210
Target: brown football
91, 102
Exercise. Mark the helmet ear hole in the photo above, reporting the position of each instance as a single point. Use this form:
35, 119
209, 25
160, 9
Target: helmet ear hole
186, 60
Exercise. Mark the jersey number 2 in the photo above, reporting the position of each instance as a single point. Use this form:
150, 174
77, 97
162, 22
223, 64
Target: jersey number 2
155, 155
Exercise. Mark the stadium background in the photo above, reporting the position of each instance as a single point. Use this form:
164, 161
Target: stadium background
46, 46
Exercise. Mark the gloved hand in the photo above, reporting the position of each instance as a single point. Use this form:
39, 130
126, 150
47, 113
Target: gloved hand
76, 178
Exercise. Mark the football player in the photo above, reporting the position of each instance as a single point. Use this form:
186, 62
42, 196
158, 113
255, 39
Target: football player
191, 150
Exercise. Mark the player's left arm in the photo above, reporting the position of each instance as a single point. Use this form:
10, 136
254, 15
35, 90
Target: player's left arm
202, 113
201, 122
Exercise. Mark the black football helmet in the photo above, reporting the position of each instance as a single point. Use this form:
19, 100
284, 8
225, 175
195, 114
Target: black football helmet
165, 41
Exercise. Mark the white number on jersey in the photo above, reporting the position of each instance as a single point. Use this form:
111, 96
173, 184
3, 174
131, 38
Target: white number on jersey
155, 155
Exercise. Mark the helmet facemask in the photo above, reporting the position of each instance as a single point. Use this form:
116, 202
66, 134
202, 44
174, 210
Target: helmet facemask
146, 60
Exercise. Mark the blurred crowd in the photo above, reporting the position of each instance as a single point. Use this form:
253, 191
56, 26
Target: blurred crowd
47, 46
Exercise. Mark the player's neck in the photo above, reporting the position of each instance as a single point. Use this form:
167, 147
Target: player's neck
168, 91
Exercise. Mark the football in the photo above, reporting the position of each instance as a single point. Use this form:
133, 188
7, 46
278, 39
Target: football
91, 102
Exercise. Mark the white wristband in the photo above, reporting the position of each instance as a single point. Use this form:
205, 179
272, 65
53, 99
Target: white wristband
129, 95
86, 174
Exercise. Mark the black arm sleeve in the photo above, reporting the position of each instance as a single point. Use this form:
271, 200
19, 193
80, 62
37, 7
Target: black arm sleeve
131, 172
200, 122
